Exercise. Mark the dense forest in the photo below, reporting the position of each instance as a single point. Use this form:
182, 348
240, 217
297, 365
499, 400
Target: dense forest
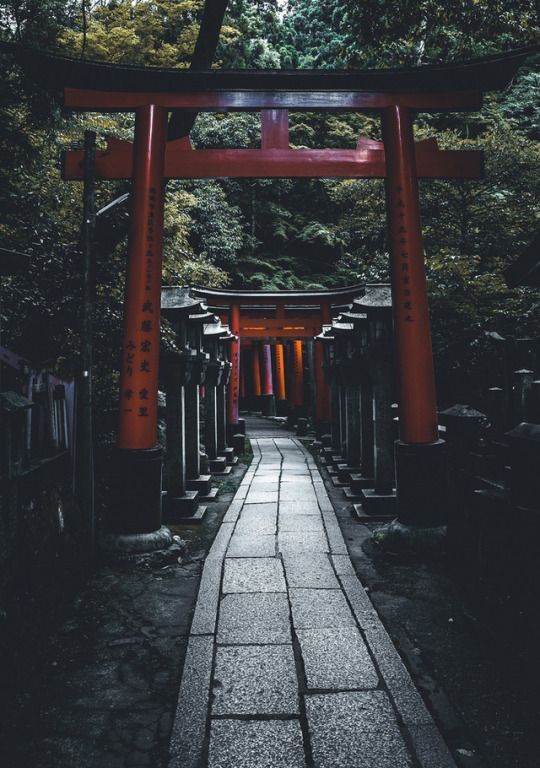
275, 234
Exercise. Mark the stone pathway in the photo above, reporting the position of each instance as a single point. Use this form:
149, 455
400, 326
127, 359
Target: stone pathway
288, 664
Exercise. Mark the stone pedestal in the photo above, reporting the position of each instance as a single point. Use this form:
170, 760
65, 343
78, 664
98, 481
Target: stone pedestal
180, 504
336, 415
367, 432
196, 479
215, 414
422, 488
353, 427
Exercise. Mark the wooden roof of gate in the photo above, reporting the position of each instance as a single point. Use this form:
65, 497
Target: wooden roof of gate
481, 74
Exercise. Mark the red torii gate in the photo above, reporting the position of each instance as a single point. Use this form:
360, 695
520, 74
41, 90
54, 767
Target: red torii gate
297, 315
395, 94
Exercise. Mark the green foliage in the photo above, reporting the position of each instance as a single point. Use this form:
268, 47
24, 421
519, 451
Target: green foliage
157, 32
274, 234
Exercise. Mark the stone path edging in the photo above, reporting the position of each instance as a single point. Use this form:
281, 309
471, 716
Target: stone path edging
321, 624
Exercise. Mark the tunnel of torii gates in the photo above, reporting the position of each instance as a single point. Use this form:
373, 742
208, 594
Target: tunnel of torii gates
276, 333
395, 95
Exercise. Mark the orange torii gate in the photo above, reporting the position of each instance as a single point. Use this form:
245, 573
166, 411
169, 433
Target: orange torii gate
394, 94
273, 317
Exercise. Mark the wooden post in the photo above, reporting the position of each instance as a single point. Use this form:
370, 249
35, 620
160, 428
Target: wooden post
234, 358
281, 392
193, 431
256, 371
298, 368
84, 455
420, 456
268, 399
322, 390
176, 426
213, 373
139, 458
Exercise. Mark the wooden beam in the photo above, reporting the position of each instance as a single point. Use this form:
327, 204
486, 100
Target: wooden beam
183, 162
87, 100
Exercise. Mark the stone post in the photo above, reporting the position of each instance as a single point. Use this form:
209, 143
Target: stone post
213, 374
377, 304
180, 504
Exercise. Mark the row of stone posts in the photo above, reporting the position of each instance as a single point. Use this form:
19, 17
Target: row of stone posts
194, 363
359, 451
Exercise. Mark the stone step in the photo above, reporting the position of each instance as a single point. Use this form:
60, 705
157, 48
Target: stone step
375, 503
196, 518
211, 495
359, 481
228, 453
239, 443
345, 471
351, 495
363, 517
338, 459
176, 508
203, 484
219, 466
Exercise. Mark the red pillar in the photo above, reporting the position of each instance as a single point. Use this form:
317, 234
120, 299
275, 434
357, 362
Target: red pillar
234, 357
140, 348
420, 456
267, 380
256, 370
298, 369
322, 410
280, 373
242, 378
414, 358
137, 504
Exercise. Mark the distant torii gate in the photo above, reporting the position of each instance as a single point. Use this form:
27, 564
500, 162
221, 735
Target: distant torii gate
297, 315
395, 94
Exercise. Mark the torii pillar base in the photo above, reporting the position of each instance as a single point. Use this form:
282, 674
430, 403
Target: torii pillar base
135, 521
421, 478
268, 405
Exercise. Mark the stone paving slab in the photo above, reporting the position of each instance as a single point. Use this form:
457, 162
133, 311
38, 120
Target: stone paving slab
347, 700
320, 608
291, 492
256, 744
312, 570
188, 732
247, 545
299, 542
257, 524
430, 747
266, 508
253, 575
255, 680
260, 497
204, 618
408, 701
336, 659
299, 523
299, 508
355, 730
221, 541
254, 618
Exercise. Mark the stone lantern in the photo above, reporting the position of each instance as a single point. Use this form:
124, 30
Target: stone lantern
216, 338
180, 504
377, 306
